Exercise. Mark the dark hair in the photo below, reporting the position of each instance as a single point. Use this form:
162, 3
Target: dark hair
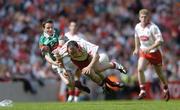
72, 44
78, 24
73, 20
47, 21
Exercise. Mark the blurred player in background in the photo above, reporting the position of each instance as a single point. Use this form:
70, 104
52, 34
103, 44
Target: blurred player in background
92, 64
148, 40
73, 33
50, 42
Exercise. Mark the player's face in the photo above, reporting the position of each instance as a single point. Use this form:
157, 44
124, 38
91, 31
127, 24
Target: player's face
74, 52
144, 19
49, 28
72, 27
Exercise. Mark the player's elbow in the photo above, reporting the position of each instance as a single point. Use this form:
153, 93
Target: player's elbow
161, 42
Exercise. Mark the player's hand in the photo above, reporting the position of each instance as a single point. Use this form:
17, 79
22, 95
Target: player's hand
59, 63
59, 60
45, 48
87, 70
135, 52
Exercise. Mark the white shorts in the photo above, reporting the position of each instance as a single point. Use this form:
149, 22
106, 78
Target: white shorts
103, 58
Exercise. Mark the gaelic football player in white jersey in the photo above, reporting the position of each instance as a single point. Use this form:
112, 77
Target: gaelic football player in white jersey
90, 63
148, 40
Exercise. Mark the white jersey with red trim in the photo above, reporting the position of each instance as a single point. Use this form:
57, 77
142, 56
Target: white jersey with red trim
87, 48
148, 35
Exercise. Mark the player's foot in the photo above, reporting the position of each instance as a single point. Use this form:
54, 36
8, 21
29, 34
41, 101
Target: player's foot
120, 67
166, 94
81, 87
142, 94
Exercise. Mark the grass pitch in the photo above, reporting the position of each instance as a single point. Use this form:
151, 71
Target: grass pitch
98, 105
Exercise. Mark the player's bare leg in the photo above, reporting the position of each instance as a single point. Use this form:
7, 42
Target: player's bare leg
99, 79
158, 69
100, 67
96, 78
142, 63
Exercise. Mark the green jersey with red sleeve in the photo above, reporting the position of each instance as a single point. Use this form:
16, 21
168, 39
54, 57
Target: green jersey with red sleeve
48, 43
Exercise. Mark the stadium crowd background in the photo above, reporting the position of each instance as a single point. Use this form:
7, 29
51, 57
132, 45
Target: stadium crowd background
108, 23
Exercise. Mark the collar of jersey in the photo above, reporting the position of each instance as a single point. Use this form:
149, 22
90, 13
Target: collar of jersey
47, 36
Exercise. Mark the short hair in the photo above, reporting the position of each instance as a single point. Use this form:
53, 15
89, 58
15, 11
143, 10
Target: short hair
144, 11
71, 44
73, 20
47, 21
78, 24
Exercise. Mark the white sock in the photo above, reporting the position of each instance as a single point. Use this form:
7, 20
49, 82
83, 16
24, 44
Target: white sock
70, 98
76, 98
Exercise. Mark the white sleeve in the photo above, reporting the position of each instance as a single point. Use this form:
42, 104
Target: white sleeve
157, 33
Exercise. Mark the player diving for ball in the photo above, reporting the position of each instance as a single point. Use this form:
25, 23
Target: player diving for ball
90, 63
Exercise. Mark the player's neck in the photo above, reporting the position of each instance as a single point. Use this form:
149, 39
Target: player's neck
145, 24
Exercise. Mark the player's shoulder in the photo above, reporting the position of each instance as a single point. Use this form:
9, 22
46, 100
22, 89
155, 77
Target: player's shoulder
137, 26
67, 34
153, 26
42, 38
